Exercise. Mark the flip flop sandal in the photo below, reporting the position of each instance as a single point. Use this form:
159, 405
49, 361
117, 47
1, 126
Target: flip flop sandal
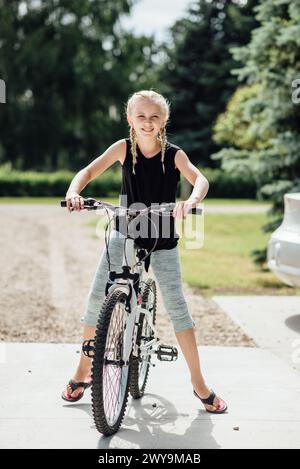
74, 386
209, 400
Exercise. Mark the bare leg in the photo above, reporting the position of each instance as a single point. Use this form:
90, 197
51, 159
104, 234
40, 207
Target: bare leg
188, 345
84, 366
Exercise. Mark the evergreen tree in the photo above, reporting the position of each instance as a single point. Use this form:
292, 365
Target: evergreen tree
271, 64
197, 70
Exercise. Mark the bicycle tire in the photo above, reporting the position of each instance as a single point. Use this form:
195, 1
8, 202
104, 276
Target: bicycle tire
98, 404
137, 382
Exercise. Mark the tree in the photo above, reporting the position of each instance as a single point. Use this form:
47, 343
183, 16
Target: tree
69, 68
271, 64
197, 67
235, 126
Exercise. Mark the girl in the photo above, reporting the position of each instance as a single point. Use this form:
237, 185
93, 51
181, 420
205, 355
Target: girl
151, 168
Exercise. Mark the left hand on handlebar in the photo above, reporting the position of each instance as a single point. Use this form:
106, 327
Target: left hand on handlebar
182, 208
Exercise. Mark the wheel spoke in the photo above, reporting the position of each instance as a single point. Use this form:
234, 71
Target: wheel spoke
112, 373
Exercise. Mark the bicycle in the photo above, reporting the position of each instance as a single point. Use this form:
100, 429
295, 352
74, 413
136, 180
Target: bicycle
126, 337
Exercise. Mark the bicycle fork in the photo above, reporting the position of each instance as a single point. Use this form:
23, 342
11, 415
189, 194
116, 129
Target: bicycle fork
88, 346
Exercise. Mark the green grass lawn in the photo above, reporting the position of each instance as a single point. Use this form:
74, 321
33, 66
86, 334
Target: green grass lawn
224, 264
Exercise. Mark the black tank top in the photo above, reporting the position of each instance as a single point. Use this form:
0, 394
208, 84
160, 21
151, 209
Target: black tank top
148, 186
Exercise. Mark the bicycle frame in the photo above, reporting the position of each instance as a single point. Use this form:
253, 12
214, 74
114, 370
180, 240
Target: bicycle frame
133, 315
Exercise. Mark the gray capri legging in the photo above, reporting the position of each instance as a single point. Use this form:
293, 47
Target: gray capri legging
166, 267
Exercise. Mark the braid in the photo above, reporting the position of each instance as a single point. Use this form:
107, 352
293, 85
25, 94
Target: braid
163, 144
133, 141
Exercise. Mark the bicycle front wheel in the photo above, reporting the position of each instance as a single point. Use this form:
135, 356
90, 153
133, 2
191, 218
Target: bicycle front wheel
110, 375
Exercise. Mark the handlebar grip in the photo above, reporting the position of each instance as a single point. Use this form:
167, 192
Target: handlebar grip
89, 202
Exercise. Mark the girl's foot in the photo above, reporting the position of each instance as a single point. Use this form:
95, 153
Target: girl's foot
79, 376
203, 392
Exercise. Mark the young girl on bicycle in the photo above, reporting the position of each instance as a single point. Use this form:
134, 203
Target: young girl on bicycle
151, 168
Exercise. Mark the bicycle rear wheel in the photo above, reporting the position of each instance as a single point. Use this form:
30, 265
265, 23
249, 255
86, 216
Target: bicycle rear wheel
110, 375
140, 367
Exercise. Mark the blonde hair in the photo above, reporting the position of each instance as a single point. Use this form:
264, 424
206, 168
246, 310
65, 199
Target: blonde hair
165, 108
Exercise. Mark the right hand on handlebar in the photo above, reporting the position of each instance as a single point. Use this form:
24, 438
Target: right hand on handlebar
74, 202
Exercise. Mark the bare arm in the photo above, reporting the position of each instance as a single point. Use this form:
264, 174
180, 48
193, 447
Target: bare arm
193, 175
95, 168
196, 178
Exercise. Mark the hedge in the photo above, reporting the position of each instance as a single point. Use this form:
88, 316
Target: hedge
228, 186
30, 183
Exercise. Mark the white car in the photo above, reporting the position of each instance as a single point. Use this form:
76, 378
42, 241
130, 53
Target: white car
284, 245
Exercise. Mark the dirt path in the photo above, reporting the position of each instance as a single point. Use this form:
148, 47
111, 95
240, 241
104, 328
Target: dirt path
48, 258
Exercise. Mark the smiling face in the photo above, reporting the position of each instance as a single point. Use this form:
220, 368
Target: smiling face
146, 117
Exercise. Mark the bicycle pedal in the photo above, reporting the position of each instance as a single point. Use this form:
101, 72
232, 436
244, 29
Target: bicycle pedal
88, 349
166, 353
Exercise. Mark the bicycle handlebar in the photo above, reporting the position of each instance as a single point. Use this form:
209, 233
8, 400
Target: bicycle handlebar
92, 204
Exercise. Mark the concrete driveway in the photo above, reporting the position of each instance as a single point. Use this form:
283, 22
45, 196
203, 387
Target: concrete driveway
273, 322
261, 390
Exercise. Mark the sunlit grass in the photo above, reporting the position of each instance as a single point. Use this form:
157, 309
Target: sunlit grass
224, 263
